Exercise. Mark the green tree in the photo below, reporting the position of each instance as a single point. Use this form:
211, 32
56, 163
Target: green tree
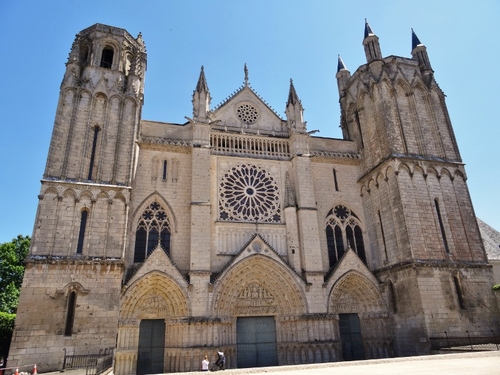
12, 256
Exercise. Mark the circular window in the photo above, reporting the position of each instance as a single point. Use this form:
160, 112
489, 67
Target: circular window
342, 212
249, 193
247, 113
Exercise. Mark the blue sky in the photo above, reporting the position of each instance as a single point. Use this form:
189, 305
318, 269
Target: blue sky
278, 40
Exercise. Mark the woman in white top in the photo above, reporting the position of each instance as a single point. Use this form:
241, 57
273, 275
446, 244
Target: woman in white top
204, 364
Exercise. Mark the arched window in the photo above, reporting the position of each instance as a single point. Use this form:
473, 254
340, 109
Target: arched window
107, 57
70, 314
81, 234
343, 231
84, 55
152, 230
335, 243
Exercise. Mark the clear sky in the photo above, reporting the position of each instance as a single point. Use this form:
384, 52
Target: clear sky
278, 40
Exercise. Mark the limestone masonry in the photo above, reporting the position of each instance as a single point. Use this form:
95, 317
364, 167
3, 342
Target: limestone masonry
242, 231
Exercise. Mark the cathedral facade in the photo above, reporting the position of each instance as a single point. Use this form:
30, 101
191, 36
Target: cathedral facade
241, 231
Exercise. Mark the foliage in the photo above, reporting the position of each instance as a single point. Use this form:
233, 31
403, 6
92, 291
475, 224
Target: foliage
6, 328
12, 256
496, 287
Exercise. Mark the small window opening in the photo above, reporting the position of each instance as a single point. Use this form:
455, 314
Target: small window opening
164, 170
358, 123
70, 314
335, 180
84, 56
128, 64
458, 290
81, 234
107, 58
92, 155
441, 226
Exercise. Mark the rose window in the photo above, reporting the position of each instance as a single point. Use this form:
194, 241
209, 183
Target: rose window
247, 113
249, 193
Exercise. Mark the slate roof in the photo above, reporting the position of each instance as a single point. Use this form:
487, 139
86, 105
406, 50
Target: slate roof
491, 240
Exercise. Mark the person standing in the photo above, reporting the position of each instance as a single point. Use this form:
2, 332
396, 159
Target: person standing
204, 364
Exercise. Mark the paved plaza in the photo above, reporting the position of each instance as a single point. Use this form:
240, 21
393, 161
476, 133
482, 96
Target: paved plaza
470, 363
467, 363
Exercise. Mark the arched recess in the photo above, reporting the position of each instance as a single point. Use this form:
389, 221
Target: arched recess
257, 286
154, 296
354, 293
356, 298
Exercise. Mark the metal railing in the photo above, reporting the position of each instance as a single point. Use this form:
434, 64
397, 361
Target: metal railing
94, 364
466, 340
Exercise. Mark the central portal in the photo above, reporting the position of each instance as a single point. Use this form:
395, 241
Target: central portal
256, 342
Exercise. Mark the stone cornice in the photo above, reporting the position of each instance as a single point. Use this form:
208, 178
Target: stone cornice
48, 259
165, 141
418, 263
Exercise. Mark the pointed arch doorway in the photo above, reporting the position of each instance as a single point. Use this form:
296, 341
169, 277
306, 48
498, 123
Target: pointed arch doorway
256, 341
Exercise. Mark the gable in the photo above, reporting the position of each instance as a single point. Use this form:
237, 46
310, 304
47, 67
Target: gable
245, 110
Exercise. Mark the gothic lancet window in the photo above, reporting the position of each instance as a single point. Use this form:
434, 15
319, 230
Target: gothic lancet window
153, 229
335, 180
70, 314
343, 231
81, 233
164, 170
441, 226
92, 154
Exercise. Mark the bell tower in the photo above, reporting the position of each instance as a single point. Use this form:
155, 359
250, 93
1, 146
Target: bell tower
79, 236
93, 150
99, 108
425, 243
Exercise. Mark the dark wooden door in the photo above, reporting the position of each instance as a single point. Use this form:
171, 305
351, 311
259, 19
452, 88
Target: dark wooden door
350, 334
151, 347
256, 342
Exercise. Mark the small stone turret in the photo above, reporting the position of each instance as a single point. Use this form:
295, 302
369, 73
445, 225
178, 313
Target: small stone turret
419, 53
295, 112
343, 75
371, 44
201, 99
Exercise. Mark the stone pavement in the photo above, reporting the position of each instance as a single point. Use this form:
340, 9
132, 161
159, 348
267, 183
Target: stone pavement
467, 363
470, 363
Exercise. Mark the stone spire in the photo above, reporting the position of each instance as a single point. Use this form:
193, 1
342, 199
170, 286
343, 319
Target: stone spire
245, 69
295, 111
340, 65
371, 44
343, 75
292, 95
201, 99
202, 86
419, 53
